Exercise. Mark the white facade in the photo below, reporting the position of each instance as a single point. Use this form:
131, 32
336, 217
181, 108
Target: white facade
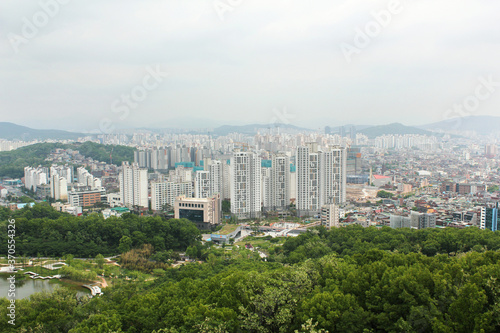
59, 188
266, 188
226, 181
308, 179
216, 176
246, 185
280, 182
202, 184
333, 176
133, 185
34, 177
62, 171
330, 216
321, 178
85, 178
166, 192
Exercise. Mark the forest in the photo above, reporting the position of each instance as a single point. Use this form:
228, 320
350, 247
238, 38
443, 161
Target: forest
42, 231
350, 279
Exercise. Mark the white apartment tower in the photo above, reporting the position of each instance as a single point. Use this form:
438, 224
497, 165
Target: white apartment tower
321, 178
58, 187
308, 192
246, 185
215, 168
166, 192
202, 184
133, 185
266, 188
333, 176
226, 181
280, 181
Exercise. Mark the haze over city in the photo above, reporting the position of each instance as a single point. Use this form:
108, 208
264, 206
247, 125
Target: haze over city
68, 65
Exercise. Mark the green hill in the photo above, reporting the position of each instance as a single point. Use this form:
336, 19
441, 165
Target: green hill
394, 129
12, 163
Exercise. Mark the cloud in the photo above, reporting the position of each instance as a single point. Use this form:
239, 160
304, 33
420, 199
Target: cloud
263, 55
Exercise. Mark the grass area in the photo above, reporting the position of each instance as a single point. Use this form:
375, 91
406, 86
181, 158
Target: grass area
227, 229
254, 242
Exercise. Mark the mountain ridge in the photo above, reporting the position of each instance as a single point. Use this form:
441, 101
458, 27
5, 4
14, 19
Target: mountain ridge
11, 131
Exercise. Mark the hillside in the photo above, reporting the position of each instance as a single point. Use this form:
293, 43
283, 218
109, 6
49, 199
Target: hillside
394, 129
11, 131
12, 163
480, 124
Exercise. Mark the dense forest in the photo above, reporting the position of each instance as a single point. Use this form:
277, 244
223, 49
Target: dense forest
42, 231
349, 279
12, 163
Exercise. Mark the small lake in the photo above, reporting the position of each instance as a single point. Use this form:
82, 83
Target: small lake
25, 286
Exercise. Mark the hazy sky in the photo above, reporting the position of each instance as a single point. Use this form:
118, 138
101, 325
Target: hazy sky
90, 65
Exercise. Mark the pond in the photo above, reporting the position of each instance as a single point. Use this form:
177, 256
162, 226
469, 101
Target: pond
26, 286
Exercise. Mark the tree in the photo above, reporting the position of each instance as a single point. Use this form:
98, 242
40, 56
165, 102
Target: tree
226, 206
99, 259
384, 194
125, 244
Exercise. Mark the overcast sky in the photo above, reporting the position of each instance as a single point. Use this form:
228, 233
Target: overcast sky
74, 65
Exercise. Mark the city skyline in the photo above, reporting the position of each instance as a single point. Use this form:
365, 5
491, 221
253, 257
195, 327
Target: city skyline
208, 65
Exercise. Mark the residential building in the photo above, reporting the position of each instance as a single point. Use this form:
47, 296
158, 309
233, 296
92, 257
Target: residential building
246, 185
422, 220
330, 216
321, 178
399, 221
133, 185
163, 193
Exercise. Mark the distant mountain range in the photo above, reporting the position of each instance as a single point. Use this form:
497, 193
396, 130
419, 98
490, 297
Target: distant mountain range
254, 128
394, 129
483, 125
10, 131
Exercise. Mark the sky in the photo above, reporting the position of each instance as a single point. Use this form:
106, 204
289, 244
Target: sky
101, 65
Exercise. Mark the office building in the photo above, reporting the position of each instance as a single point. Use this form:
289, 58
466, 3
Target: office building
86, 198
490, 217
204, 212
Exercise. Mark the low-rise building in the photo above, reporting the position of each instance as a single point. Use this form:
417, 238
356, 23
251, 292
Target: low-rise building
204, 212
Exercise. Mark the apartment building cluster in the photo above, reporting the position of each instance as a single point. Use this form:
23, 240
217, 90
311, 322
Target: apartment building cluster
254, 182
59, 182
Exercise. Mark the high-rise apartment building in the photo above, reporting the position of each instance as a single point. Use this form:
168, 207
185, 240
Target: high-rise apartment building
165, 193
133, 185
246, 185
321, 178
58, 187
202, 184
280, 181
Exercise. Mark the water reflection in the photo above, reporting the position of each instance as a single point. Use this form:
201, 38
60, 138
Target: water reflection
25, 287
